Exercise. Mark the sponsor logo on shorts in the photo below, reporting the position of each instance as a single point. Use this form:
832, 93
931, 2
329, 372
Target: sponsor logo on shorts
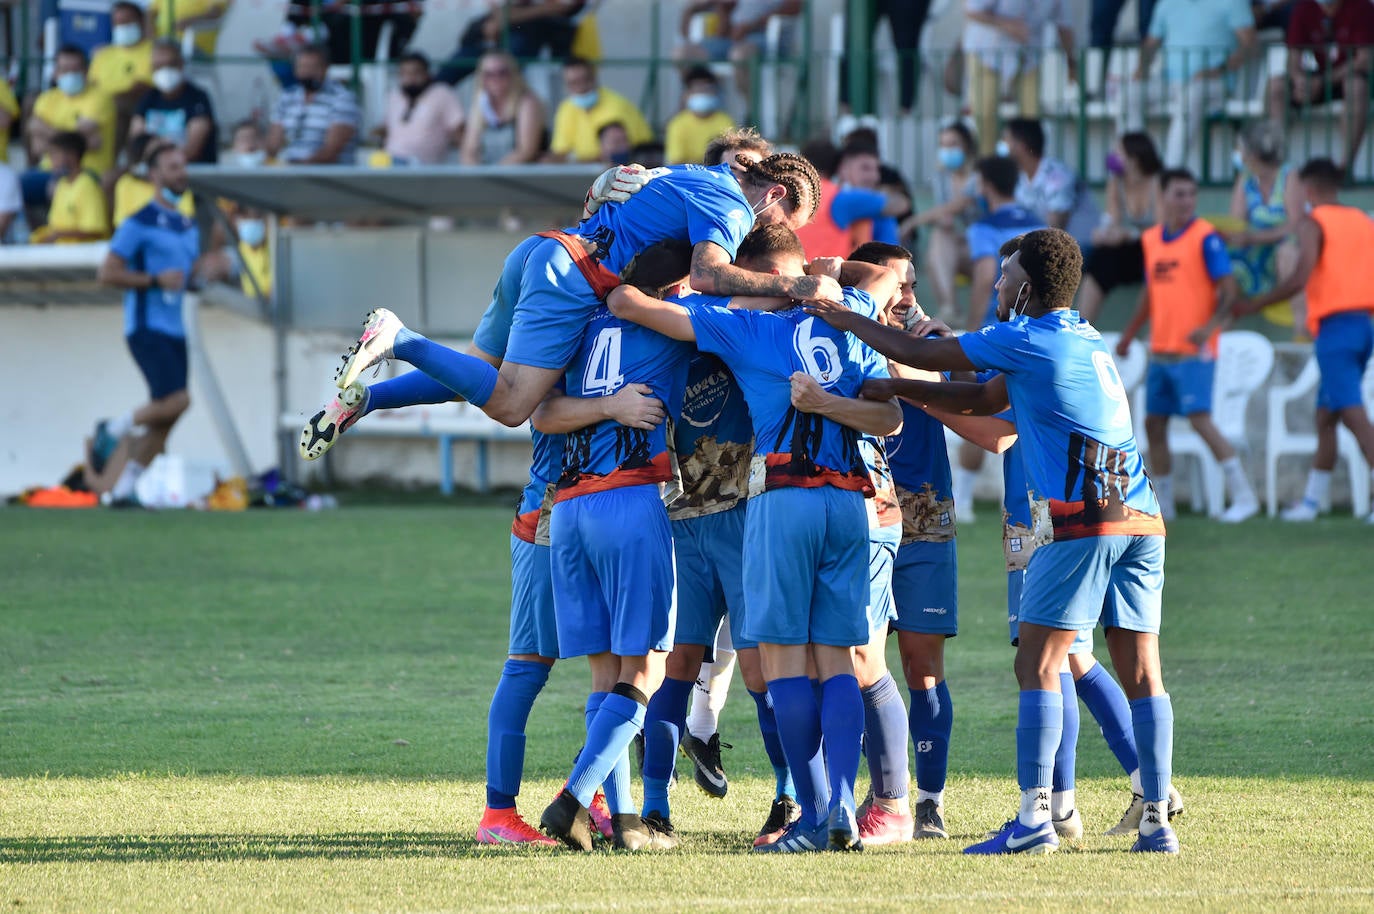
935, 610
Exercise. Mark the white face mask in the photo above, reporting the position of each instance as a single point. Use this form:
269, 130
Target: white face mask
1016, 305
766, 208
166, 79
250, 159
126, 35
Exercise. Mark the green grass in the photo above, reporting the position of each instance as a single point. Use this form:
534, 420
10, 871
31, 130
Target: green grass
286, 712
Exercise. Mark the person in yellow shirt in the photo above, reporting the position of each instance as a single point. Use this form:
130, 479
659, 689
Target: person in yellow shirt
701, 119
256, 274
78, 211
588, 107
174, 17
9, 112
123, 69
71, 105
133, 190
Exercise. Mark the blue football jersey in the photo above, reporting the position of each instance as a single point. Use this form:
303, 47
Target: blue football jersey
714, 440
532, 515
986, 237
920, 469
152, 240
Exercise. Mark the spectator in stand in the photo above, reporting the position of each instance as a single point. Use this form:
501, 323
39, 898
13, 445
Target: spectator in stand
524, 27
123, 69
314, 122
1002, 52
172, 18
11, 200
404, 16
424, 118
586, 109
1272, 14
176, 109
1102, 26
1267, 199
890, 180
249, 260
861, 195
71, 105
1204, 45
1333, 39
701, 118
1048, 187
1117, 258
133, 190
507, 122
298, 30
248, 149
906, 18
9, 112
614, 142
742, 33
825, 235
78, 213
955, 186
998, 181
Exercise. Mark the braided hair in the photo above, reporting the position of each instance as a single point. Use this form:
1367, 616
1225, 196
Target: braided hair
792, 172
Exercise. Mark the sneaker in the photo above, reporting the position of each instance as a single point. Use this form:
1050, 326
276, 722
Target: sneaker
103, 446
568, 821
930, 820
878, 826
843, 830
797, 839
505, 826
1015, 838
1163, 841
379, 333
785, 811
1301, 511
1069, 827
705, 757
664, 835
1130, 820
601, 816
337, 417
633, 833
1242, 509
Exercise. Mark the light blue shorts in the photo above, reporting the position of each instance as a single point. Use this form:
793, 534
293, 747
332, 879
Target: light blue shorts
882, 555
1343, 345
553, 309
493, 330
925, 586
709, 554
1083, 640
533, 625
613, 573
1115, 580
805, 567
1179, 388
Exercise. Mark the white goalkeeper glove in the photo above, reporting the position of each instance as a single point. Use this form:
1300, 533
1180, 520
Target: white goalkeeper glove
615, 185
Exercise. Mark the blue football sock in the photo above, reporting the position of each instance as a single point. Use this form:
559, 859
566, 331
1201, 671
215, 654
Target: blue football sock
663, 723
842, 723
520, 683
799, 731
885, 739
1153, 721
608, 736
616, 787
1065, 757
410, 389
768, 729
931, 721
1039, 723
468, 376
1107, 704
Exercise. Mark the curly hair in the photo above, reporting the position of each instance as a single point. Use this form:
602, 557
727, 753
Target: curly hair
794, 173
739, 138
1054, 264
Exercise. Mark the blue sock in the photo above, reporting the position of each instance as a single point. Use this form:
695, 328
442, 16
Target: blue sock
1107, 704
608, 736
885, 739
1153, 721
768, 729
470, 377
1065, 757
520, 683
1039, 723
931, 721
410, 389
799, 731
842, 724
616, 787
663, 723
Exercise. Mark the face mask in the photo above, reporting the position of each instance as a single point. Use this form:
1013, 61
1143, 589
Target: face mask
1237, 160
414, 91
1016, 305
586, 100
1115, 164
139, 170
1003, 149
172, 197
167, 79
766, 208
252, 232
702, 103
951, 158
126, 35
71, 83
311, 84
250, 159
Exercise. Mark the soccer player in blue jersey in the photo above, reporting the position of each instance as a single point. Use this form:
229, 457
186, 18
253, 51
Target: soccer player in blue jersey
1106, 560
805, 541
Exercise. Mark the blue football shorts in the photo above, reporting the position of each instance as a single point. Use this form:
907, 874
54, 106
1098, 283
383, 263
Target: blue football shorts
1115, 580
882, 555
533, 624
493, 330
925, 587
162, 360
555, 301
709, 554
1179, 388
1343, 345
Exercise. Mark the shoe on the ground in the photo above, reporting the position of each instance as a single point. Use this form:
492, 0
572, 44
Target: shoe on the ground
705, 757
568, 821
1015, 838
601, 816
878, 826
1130, 820
505, 826
337, 417
1163, 841
379, 334
103, 446
1301, 511
630, 832
1241, 510
930, 820
797, 839
842, 829
664, 835
1069, 827
785, 811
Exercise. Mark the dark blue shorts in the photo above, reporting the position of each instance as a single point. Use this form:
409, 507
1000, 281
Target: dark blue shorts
1343, 346
162, 359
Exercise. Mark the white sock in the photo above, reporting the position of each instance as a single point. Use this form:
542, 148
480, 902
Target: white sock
1153, 819
937, 796
128, 478
1061, 804
1164, 491
1136, 789
701, 723
1035, 807
120, 426
1318, 490
964, 482
1236, 479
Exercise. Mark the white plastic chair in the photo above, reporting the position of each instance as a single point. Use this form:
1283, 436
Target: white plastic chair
1281, 441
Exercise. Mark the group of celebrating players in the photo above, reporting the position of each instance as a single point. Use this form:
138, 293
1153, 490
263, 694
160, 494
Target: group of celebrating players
732, 441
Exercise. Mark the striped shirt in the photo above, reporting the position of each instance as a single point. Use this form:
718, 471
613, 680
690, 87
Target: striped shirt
307, 121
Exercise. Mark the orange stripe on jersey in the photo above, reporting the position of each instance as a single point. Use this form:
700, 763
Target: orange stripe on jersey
1183, 295
525, 525
658, 470
598, 277
782, 470
1070, 522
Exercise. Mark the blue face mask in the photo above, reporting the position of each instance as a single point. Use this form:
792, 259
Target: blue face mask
586, 100
71, 83
172, 197
252, 232
1003, 149
1237, 160
702, 103
951, 158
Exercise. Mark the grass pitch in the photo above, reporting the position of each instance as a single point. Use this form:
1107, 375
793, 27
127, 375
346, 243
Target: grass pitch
286, 712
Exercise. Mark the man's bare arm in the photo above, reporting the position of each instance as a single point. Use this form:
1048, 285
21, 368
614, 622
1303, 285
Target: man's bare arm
633, 406
869, 416
714, 274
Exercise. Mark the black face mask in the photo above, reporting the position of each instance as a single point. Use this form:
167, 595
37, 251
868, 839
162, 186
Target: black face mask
312, 84
413, 92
